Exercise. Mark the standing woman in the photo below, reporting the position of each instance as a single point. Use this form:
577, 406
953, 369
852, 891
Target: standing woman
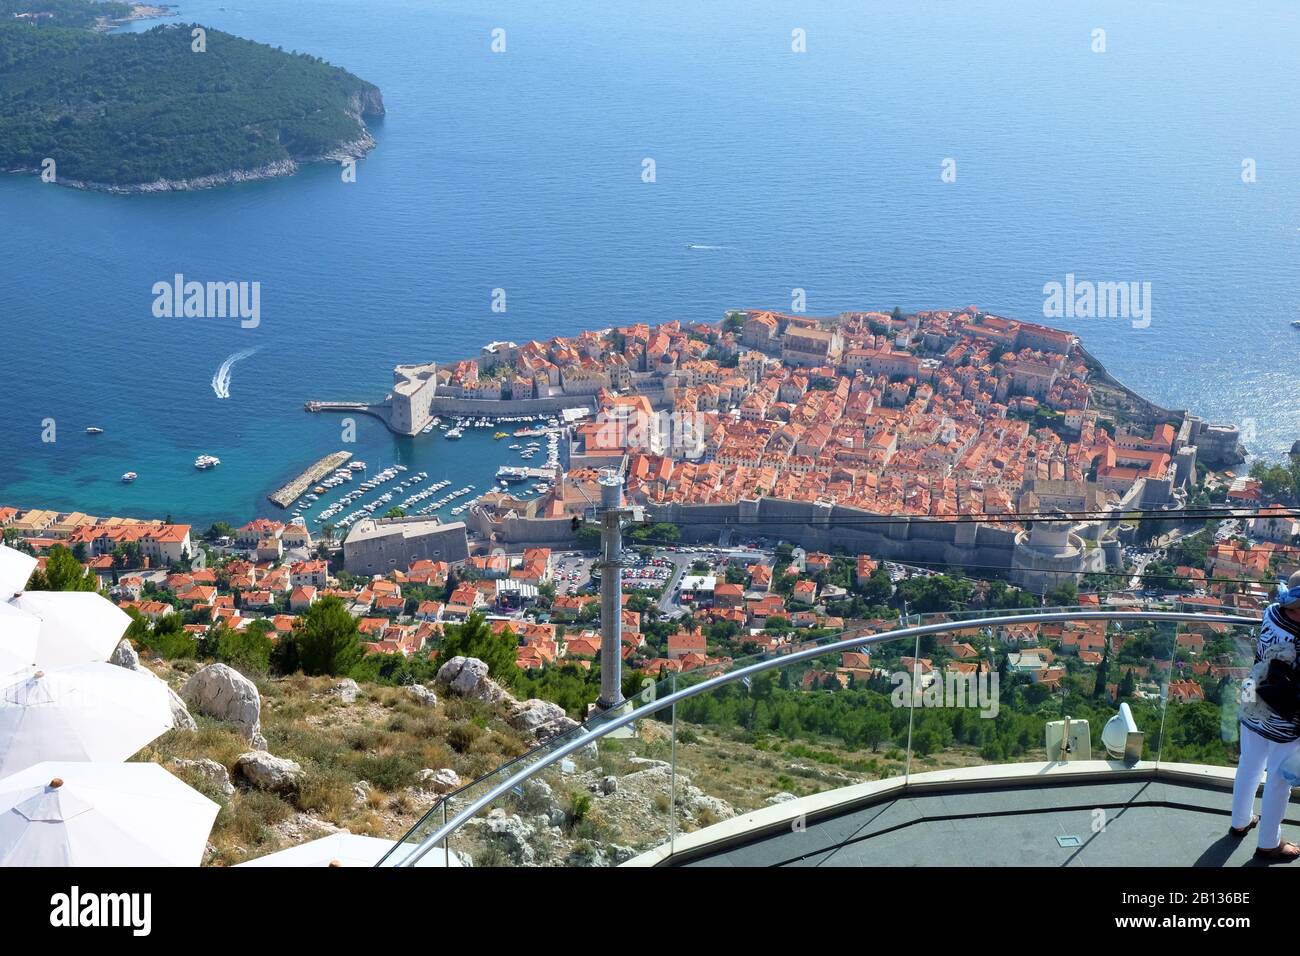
1270, 726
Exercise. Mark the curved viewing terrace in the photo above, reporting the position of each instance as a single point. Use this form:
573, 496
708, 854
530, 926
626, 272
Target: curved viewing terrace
930, 750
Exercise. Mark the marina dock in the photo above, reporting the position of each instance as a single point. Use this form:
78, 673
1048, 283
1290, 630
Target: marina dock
289, 493
521, 473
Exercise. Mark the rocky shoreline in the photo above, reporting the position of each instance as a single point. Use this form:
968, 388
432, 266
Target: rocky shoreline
139, 11
369, 103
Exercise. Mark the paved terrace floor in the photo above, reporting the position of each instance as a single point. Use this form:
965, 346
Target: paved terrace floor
1148, 823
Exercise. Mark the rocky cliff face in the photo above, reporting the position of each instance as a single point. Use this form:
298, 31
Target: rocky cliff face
368, 102
352, 149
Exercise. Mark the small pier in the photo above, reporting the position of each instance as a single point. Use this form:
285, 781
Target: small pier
520, 473
290, 493
379, 411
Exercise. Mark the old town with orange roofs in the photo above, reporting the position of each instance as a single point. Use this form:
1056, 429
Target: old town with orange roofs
793, 471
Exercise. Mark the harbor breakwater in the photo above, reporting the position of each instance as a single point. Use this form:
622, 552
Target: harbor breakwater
289, 493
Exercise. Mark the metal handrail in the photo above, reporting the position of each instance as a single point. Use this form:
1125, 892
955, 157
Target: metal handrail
589, 736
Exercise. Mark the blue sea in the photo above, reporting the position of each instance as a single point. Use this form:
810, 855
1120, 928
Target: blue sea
775, 170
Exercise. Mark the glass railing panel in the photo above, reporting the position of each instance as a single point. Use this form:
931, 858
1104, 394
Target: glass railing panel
796, 730
952, 683
1030, 688
642, 692
451, 804
1204, 701
981, 695
907, 683
1139, 670
598, 806
548, 814
1010, 693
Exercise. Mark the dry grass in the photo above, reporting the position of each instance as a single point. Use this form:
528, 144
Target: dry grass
385, 739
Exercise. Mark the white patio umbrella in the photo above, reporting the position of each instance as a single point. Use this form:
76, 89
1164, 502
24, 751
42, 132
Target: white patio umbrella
88, 712
341, 849
15, 568
76, 626
102, 814
18, 639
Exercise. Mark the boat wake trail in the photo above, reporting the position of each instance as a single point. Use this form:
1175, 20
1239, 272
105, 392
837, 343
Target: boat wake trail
221, 377
695, 246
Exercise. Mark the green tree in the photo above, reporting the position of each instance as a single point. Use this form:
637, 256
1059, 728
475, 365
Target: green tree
166, 638
62, 572
219, 529
662, 532
474, 638
935, 593
1002, 596
1276, 481
1103, 673
127, 555
122, 556
1065, 594
248, 650
326, 642
395, 669
879, 588
874, 729
760, 691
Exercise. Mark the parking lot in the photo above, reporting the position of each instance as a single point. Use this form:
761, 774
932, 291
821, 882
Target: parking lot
572, 571
661, 571
653, 574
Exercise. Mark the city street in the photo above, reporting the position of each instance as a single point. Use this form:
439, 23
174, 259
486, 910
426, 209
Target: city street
572, 569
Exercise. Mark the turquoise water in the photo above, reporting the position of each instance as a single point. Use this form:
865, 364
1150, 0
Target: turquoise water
522, 171
471, 460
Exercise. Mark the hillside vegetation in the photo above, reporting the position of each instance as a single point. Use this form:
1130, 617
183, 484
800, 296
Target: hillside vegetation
63, 13
133, 109
361, 760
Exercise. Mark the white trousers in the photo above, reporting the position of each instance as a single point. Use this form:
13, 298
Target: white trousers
1257, 755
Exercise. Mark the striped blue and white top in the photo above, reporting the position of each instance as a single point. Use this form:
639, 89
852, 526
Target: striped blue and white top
1276, 640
